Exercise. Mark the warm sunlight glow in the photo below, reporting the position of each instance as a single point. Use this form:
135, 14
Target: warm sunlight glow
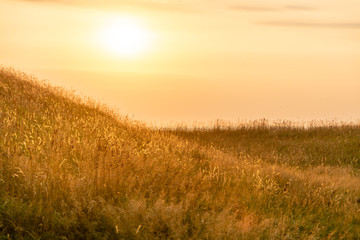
125, 37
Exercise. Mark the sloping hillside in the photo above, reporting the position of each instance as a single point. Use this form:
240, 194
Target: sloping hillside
72, 169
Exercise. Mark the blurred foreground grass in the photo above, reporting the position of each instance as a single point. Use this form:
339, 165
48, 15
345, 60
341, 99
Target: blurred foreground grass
73, 169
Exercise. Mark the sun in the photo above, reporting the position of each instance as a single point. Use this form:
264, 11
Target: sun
125, 37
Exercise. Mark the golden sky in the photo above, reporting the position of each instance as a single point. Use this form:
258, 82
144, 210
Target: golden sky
201, 60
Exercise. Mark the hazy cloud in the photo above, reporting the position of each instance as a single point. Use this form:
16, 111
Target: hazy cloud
40, 1
309, 24
300, 8
45, 1
270, 9
111, 4
252, 8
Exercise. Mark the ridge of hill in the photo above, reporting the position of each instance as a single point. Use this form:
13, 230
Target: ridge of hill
73, 169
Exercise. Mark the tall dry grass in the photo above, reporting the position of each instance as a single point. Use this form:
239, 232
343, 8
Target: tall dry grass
73, 169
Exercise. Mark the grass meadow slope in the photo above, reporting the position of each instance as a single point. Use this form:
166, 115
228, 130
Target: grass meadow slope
73, 169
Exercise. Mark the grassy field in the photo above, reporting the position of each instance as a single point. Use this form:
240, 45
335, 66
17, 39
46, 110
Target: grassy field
73, 169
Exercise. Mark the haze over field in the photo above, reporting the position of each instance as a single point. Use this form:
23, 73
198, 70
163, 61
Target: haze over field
194, 60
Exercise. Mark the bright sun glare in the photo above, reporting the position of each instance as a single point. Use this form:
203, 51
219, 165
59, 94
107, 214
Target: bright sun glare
125, 37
